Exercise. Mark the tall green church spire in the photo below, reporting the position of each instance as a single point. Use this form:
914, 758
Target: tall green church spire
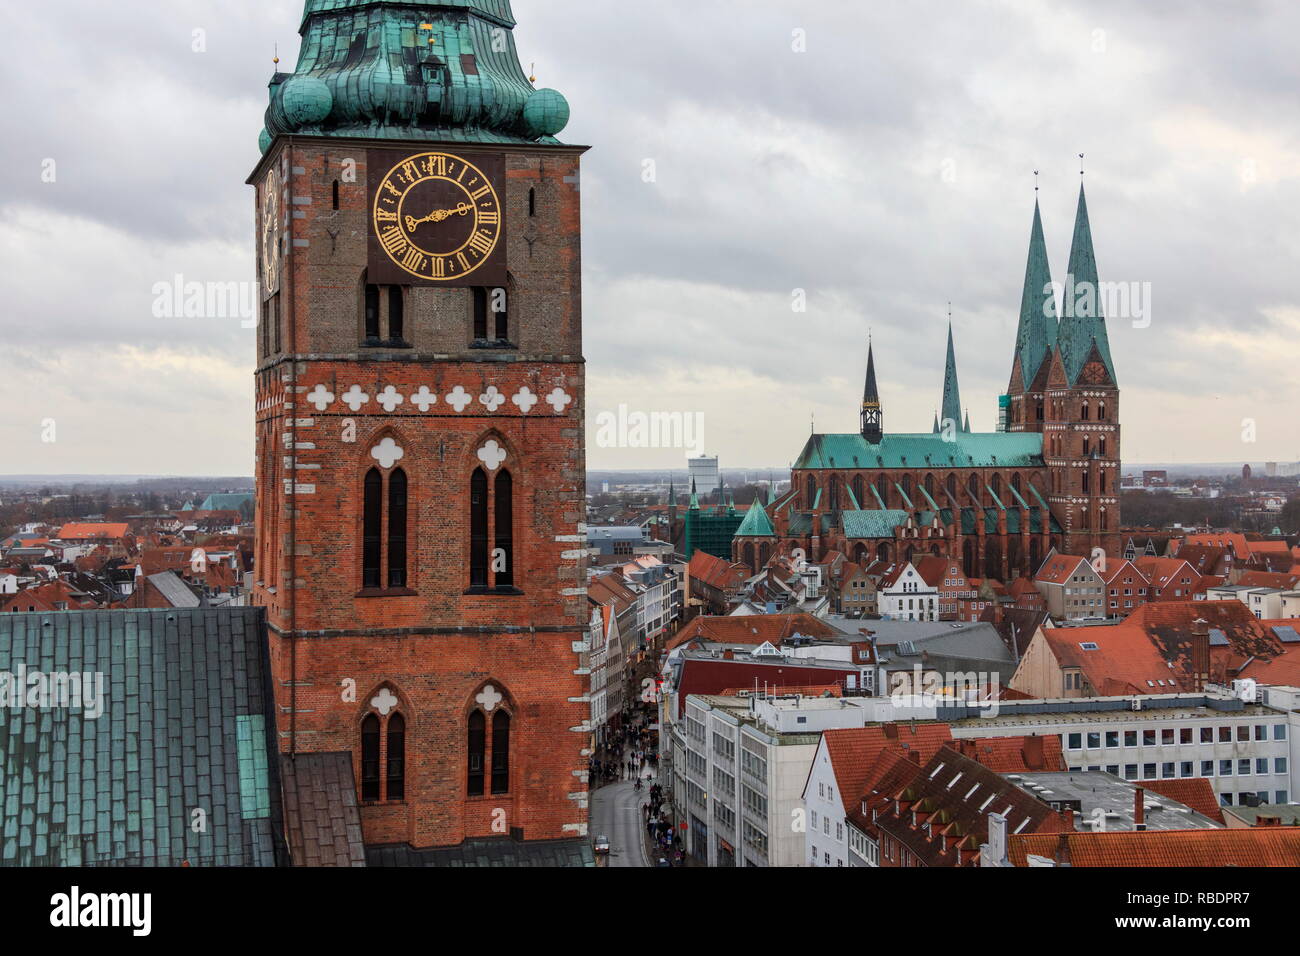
434, 70
951, 408
1083, 326
1036, 334
872, 423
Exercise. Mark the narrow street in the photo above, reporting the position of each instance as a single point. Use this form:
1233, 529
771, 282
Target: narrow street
616, 814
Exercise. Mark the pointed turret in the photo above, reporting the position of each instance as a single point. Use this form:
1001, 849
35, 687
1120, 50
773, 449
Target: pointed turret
966, 427
872, 420
951, 408
695, 498
756, 523
1083, 326
1036, 334
936, 422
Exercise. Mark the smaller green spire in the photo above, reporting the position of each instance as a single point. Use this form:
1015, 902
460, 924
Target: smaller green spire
756, 523
695, 498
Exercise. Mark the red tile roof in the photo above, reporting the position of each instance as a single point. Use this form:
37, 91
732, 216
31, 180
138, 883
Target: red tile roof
1059, 568
716, 572
752, 629
1194, 792
855, 752
84, 532
1253, 846
1124, 660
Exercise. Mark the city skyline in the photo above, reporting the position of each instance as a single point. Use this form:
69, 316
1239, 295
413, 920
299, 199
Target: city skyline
768, 187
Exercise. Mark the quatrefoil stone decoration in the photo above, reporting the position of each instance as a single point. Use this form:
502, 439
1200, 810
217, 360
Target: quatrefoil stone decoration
389, 398
559, 399
492, 399
355, 398
525, 400
387, 453
458, 398
488, 698
492, 455
322, 398
384, 701
424, 399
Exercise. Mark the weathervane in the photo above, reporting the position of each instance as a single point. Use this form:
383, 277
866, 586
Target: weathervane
1081, 164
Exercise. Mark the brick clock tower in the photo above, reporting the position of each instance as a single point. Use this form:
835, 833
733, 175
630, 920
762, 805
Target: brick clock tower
1063, 386
420, 403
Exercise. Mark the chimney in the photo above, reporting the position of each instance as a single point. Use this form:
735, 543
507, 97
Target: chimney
1200, 654
728, 655
1139, 809
913, 755
1063, 849
1034, 757
1068, 813
891, 731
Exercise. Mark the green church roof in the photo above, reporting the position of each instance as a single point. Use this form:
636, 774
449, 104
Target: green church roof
756, 523
1036, 333
413, 70
187, 723
921, 451
1083, 326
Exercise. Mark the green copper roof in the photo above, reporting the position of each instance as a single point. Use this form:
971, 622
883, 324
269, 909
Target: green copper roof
756, 523
951, 409
872, 524
1083, 326
1036, 334
369, 68
967, 450
187, 724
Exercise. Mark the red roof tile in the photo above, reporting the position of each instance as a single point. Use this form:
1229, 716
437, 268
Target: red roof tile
1253, 846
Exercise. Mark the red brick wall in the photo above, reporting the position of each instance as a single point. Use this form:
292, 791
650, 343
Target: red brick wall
433, 645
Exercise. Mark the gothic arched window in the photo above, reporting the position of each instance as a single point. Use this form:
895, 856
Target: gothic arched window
397, 529
504, 576
860, 491
478, 529
372, 313
882, 489
480, 314
501, 752
477, 752
396, 313
370, 757
372, 535
396, 757
810, 491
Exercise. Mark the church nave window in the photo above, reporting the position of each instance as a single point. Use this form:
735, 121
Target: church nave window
488, 756
491, 317
380, 303
375, 544
491, 549
383, 757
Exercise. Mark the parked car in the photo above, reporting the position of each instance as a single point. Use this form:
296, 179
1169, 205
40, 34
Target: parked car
602, 844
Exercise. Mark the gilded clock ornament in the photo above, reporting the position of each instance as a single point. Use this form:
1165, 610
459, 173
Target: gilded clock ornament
271, 233
437, 216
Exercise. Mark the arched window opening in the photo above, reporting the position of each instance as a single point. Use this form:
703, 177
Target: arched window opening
477, 752
396, 757
1083, 412
1101, 446
397, 529
501, 752
372, 313
1087, 483
1087, 446
810, 491
859, 491
882, 489
371, 535
951, 484
1015, 482
1101, 411
336, 194
370, 758
478, 529
396, 313
480, 314
501, 312
505, 542
532, 202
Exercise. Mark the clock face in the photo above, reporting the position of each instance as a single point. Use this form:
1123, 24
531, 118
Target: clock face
437, 217
271, 233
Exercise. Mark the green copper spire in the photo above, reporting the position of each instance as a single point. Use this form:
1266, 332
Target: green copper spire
872, 421
1036, 334
695, 498
1083, 326
951, 408
966, 427
936, 422
756, 523
412, 70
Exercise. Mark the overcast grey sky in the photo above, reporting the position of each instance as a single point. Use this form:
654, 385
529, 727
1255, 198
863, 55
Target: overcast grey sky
884, 170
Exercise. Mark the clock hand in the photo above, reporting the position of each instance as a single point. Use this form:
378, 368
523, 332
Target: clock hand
438, 215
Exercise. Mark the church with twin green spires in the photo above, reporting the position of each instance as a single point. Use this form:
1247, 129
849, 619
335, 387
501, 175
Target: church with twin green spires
1047, 479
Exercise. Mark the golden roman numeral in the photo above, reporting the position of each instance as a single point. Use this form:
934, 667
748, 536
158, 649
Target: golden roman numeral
464, 263
489, 218
439, 267
393, 241
482, 242
385, 215
476, 196
414, 260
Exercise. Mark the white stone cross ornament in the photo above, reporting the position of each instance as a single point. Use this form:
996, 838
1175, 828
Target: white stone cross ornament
458, 398
559, 400
525, 400
387, 453
322, 398
489, 698
389, 398
384, 701
355, 398
492, 455
424, 399
492, 399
